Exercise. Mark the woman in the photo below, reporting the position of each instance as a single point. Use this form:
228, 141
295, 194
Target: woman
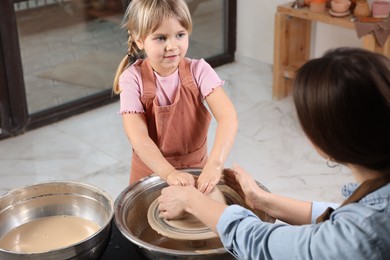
343, 105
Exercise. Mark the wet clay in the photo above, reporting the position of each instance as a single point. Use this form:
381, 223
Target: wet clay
152, 237
47, 234
187, 227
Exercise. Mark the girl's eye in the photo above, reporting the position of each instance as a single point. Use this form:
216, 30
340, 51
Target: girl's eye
181, 35
160, 38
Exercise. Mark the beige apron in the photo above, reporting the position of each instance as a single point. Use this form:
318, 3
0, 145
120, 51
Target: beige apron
180, 129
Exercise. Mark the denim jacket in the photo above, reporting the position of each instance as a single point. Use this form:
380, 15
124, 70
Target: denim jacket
356, 231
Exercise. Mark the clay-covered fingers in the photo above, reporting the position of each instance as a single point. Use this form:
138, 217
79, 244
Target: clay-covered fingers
234, 185
243, 183
246, 181
170, 202
179, 178
206, 185
208, 179
229, 177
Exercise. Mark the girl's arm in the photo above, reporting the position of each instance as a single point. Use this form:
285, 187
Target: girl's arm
137, 132
225, 114
291, 211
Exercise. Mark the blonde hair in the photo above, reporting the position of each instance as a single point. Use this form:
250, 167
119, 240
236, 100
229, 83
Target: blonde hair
142, 18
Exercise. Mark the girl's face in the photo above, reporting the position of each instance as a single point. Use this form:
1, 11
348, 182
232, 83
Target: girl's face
166, 46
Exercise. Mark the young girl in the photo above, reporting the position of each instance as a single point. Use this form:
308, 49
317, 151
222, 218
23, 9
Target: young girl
162, 96
343, 105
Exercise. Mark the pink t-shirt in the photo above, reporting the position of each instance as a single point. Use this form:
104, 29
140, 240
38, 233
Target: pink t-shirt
130, 83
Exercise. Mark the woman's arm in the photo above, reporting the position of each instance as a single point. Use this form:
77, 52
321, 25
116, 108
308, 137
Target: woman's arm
137, 132
225, 114
247, 237
289, 210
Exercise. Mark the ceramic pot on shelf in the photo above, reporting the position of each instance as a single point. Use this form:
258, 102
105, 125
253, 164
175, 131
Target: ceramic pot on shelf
362, 9
380, 9
340, 6
318, 6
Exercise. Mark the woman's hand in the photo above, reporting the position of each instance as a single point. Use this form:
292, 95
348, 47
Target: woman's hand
176, 201
210, 176
243, 183
179, 178
173, 201
291, 211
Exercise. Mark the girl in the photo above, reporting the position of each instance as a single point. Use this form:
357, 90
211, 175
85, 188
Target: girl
329, 93
161, 98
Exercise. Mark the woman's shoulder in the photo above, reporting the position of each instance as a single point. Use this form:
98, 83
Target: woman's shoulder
370, 214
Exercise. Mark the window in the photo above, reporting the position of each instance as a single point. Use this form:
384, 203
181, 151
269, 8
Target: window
58, 57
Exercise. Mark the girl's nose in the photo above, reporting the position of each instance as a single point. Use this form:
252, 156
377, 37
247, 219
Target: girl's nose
171, 45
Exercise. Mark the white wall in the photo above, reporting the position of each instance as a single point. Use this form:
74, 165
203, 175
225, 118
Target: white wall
255, 31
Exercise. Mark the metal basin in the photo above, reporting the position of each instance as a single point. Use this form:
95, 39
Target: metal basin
30, 203
130, 217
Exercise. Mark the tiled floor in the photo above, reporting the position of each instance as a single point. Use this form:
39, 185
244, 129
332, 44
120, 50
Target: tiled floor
92, 147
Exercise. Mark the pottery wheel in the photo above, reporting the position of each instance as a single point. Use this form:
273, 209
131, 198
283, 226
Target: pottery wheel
186, 228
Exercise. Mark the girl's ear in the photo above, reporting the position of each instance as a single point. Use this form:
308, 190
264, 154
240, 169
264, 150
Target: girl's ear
140, 44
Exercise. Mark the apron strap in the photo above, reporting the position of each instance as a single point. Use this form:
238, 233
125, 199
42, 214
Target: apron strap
148, 81
364, 189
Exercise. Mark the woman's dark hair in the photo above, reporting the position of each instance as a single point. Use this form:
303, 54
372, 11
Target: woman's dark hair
343, 105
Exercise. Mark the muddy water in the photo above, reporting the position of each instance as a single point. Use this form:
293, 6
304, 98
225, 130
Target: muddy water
154, 238
48, 233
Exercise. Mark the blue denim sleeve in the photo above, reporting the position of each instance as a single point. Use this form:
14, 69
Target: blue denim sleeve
245, 236
318, 208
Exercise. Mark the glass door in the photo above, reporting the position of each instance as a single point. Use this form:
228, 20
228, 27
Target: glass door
58, 57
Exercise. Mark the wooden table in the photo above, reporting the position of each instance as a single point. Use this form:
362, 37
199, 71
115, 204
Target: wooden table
293, 39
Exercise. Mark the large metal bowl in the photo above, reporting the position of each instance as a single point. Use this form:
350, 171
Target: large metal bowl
131, 207
30, 203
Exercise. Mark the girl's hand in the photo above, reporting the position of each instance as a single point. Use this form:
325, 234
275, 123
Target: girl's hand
173, 201
243, 183
209, 177
179, 178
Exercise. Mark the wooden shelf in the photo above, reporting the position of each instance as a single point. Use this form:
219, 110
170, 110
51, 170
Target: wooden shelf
324, 17
292, 41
